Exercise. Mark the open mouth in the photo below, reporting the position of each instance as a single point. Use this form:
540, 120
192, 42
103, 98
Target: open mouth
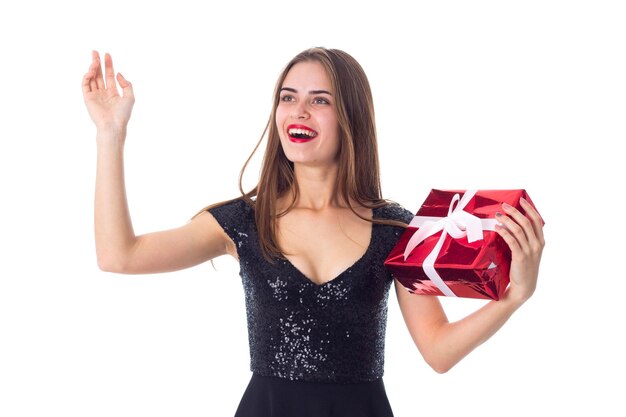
300, 133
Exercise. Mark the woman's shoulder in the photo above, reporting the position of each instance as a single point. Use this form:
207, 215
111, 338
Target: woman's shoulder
392, 210
236, 204
237, 211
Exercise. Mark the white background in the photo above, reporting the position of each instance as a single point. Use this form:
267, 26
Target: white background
480, 94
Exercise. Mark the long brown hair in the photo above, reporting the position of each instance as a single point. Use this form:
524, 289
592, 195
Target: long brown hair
358, 177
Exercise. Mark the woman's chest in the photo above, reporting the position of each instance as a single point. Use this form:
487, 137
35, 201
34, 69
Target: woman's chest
321, 247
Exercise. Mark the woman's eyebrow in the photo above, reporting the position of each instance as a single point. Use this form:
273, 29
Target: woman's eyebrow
293, 90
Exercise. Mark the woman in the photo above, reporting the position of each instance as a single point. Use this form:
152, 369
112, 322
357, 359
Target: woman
311, 239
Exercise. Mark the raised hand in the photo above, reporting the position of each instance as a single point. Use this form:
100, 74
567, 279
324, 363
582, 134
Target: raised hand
107, 109
524, 235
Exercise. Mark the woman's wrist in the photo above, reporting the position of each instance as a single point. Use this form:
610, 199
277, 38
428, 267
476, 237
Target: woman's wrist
110, 131
110, 135
515, 297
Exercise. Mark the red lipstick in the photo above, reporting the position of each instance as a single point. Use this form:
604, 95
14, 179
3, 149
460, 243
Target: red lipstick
300, 133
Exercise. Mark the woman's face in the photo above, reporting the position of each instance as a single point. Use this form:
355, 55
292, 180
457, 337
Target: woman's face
306, 116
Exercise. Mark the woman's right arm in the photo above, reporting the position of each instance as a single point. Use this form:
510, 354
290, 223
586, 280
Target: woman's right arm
117, 247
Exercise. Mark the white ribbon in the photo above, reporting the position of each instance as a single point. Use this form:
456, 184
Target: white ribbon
458, 223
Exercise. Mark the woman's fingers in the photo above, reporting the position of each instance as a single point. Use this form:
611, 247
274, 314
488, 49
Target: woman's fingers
508, 238
127, 87
110, 74
87, 80
99, 78
524, 235
526, 229
536, 220
95, 63
94, 81
516, 224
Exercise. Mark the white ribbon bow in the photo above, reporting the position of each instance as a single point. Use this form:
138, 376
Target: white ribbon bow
458, 223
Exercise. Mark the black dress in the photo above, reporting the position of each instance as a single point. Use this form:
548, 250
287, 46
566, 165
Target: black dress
315, 350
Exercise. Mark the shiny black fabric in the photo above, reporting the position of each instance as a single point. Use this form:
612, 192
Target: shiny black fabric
278, 397
299, 330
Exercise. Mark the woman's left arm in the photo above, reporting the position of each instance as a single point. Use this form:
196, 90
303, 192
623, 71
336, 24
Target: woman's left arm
443, 344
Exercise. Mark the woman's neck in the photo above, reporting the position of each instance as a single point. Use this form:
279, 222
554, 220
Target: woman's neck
317, 187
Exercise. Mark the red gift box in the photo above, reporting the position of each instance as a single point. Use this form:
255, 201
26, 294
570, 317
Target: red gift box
450, 248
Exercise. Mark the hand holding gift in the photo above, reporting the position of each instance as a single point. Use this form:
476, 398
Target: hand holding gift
454, 247
524, 236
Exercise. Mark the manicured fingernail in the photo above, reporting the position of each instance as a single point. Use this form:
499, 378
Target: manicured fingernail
506, 206
523, 200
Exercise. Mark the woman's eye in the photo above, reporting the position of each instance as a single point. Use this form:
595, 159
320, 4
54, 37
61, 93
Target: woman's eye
320, 100
286, 98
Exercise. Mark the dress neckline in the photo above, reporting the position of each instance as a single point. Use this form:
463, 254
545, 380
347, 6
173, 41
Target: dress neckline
345, 271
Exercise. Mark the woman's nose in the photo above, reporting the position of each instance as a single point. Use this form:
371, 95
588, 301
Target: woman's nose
300, 111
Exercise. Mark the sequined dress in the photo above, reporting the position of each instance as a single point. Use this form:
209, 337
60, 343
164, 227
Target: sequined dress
315, 350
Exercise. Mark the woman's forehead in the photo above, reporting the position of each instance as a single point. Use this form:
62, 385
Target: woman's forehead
306, 76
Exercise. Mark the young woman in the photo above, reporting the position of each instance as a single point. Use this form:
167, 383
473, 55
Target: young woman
311, 239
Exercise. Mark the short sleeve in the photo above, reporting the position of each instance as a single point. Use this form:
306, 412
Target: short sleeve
388, 235
237, 220
394, 211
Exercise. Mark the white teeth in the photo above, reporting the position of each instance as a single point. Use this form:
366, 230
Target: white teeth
302, 132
